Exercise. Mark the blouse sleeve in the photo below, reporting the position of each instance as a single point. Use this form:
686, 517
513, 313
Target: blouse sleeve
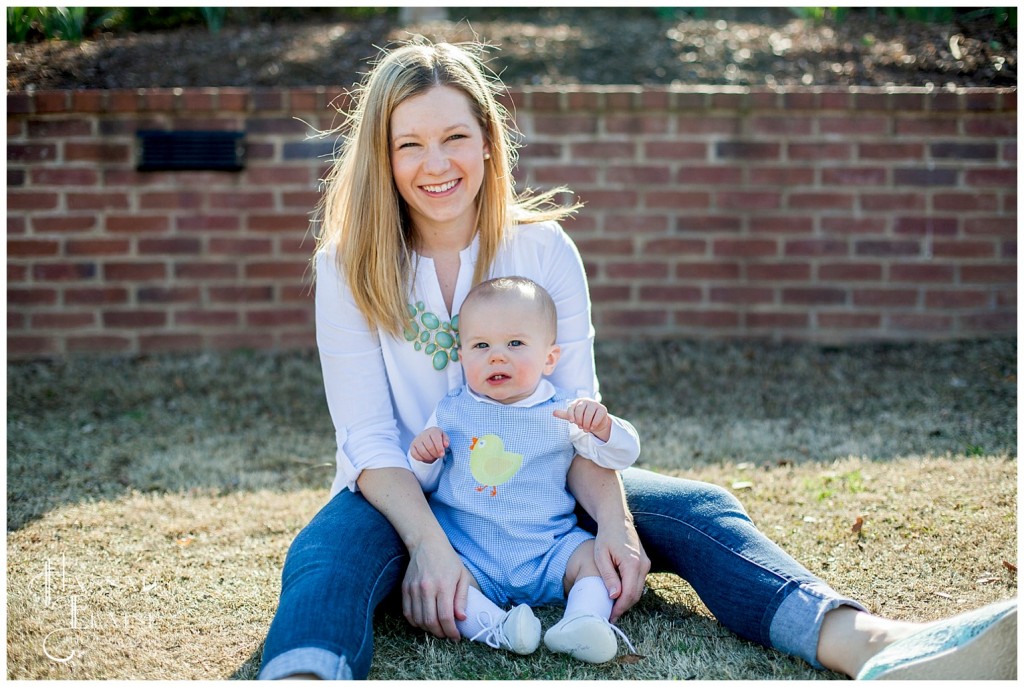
355, 381
566, 281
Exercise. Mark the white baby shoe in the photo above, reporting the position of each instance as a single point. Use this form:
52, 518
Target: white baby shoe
518, 631
587, 638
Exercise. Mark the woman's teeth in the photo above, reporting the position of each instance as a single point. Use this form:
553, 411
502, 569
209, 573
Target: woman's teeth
442, 188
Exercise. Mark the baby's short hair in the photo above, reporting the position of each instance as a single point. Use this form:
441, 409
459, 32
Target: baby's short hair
517, 289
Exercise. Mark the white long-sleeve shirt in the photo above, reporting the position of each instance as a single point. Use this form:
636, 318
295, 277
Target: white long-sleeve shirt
618, 453
382, 389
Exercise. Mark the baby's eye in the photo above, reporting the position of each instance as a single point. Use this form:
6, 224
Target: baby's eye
515, 343
480, 345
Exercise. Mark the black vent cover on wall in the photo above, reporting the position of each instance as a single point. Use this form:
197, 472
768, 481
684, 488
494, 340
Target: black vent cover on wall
191, 150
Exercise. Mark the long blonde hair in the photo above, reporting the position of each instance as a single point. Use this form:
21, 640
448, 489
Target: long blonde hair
361, 213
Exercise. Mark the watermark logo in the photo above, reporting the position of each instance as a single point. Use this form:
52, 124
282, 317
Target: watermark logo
66, 593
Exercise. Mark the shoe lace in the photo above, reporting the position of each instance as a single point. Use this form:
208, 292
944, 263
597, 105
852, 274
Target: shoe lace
493, 632
623, 637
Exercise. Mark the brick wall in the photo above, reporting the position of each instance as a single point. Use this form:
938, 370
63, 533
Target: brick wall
816, 214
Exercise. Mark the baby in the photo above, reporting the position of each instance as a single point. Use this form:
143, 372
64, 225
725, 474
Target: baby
507, 439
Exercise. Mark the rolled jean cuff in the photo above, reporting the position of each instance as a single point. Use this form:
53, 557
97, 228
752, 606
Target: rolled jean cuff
325, 664
796, 626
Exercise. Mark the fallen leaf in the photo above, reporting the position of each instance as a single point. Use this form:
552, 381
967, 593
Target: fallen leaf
1010, 566
858, 524
629, 659
944, 595
742, 485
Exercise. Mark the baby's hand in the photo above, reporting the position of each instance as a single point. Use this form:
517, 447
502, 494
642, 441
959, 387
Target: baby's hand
588, 415
429, 445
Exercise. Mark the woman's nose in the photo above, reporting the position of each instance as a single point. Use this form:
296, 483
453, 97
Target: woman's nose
436, 161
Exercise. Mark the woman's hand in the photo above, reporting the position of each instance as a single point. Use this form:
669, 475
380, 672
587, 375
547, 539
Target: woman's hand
623, 564
435, 588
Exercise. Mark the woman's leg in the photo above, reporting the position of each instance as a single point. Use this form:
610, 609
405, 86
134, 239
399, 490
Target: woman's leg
701, 532
340, 566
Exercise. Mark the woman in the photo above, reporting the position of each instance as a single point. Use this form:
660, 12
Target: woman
420, 206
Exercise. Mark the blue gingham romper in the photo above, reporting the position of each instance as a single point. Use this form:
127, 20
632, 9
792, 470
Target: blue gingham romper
517, 542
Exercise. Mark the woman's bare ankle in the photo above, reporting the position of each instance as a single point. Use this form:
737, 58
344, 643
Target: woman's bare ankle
849, 638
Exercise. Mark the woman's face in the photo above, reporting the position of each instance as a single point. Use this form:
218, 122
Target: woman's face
437, 157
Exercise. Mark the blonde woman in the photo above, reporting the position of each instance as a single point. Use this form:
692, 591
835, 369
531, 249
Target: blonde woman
419, 207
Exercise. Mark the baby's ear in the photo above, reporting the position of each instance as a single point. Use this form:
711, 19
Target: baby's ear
552, 361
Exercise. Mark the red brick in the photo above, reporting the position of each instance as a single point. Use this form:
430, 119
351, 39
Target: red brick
31, 346
282, 222
782, 176
31, 296
609, 199
843, 320
97, 201
565, 174
95, 296
952, 200
208, 223
31, 152
706, 318
198, 99
637, 174
930, 272
636, 124
964, 249
677, 200
992, 126
779, 272
991, 177
782, 225
276, 318
820, 151
63, 271
886, 202
670, 294
782, 126
42, 224
956, 299
138, 223
31, 200
748, 200
849, 272
279, 176
675, 246
777, 320
160, 343
709, 271
623, 100
855, 176
603, 293
628, 223
133, 319
885, 298
206, 271
888, 248
920, 322
110, 153
926, 127
814, 296
745, 295
564, 125
925, 226
632, 319
992, 322
820, 200
169, 246
703, 125
168, 294
170, 200
62, 320
891, 151
746, 248
22, 248
854, 125
59, 128
134, 271
635, 270
240, 246
241, 200
207, 318
675, 150
989, 274
241, 294
709, 175
701, 223
746, 150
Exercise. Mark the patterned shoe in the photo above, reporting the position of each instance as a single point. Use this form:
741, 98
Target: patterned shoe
518, 631
586, 638
978, 645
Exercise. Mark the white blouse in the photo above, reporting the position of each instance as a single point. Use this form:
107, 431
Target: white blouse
382, 389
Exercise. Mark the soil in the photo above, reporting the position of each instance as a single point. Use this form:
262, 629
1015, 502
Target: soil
546, 46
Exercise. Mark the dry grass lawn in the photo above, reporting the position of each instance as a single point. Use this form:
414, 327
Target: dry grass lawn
151, 504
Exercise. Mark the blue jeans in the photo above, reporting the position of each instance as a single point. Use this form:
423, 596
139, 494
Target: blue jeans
349, 558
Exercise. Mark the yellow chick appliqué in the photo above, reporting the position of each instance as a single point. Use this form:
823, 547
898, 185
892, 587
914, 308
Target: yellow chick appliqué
491, 464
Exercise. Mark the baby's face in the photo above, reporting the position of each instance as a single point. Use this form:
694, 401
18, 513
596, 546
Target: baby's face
506, 349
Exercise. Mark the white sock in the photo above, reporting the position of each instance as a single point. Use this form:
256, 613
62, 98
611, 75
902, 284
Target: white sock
589, 596
478, 607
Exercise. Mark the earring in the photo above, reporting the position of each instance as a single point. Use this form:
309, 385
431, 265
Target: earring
487, 156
